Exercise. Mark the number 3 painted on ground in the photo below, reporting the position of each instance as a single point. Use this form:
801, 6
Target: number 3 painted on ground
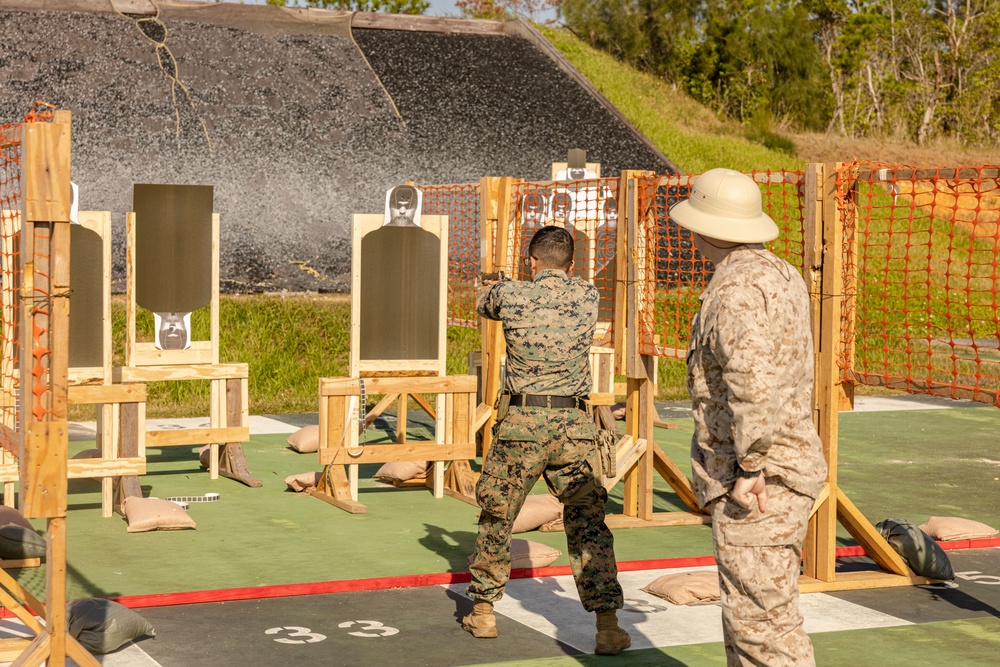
979, 577
379, 629
296, 631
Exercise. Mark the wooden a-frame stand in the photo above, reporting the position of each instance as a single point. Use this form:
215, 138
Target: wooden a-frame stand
43, 431
120, 408
339, 446
638, 455
229, 401
824, 260
456, 415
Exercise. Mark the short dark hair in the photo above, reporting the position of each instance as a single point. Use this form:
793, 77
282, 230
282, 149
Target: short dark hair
553, 247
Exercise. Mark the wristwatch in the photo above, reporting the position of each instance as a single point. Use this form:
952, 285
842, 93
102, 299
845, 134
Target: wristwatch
747, 474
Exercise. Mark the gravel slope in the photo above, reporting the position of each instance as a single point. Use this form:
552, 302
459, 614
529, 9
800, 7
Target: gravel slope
300, 131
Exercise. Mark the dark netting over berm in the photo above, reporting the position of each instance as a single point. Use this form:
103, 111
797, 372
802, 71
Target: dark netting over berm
296, 118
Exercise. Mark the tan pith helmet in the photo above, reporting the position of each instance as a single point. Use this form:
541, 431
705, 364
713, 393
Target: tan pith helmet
725, 205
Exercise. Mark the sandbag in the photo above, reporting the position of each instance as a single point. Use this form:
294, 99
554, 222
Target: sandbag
922, 554
102, 626
19, 543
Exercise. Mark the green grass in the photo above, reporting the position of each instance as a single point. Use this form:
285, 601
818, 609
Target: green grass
288, 342
689, 134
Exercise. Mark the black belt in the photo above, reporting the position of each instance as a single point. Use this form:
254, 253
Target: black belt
547, 401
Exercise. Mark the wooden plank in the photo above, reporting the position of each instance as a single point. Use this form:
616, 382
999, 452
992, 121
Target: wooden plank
45, 171
425, 406
222, 371
658, 519
111, 393
20, 592
97, 468
496, 236
411, 451
200, 353
43, 493
131, 439
677, 480
450, 384
55, 589
335, 489
646, 416
11, 604
13, 647
868, 537
483, 414
197, 436
382, 21
866, 579
596, 398
822, 563
629, 451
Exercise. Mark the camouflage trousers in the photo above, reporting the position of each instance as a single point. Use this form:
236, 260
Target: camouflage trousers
758, 555
510, 471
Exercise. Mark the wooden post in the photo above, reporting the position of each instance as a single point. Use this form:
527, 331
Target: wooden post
493, 345
45, 368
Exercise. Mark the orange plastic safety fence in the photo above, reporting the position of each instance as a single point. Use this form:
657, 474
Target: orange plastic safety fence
920, 279
461, 204
589, 210
10, 205
671, 273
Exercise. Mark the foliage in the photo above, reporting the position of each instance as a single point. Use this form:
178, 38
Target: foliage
503, 9
385, 6
912, 69
694, 138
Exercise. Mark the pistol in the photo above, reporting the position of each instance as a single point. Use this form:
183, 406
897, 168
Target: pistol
495, 276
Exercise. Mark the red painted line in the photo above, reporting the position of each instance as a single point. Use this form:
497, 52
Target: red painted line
440, 579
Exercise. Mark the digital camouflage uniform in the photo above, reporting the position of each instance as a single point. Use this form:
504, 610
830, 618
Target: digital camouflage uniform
750, 376
549, 328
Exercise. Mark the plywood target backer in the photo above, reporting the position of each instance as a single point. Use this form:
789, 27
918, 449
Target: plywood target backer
173, 247
399, 294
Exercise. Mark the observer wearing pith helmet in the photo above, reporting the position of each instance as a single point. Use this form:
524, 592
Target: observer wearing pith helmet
757, 461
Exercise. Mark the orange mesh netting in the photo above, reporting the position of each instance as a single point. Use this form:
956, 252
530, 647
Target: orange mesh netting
671, 274
10, 205
588, 208
920, 279
461, 204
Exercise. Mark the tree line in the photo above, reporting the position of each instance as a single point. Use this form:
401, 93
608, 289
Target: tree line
907, 69
913, 69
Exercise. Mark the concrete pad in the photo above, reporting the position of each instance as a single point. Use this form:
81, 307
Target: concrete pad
551, 606
130, 655
383, 627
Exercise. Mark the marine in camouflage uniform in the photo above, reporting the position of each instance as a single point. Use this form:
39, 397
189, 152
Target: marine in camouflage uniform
750, 376
549, 326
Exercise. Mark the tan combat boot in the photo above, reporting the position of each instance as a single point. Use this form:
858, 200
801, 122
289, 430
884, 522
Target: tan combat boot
611, 639
481, 622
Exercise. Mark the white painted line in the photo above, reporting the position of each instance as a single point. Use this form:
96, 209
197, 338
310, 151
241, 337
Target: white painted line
550, 605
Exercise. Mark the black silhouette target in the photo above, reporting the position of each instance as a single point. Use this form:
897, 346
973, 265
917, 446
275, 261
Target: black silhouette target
173, 247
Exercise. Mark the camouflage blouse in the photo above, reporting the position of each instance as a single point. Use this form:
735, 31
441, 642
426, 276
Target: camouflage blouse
549, 325
750, 376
